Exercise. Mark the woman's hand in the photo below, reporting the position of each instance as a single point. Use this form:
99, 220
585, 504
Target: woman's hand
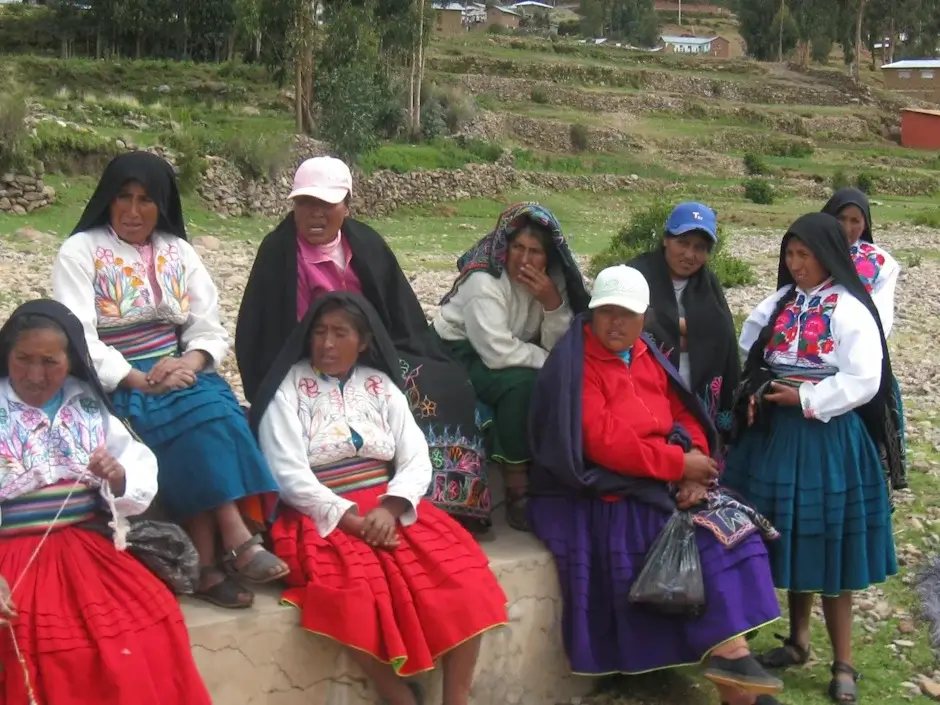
541, 286
351, 523
751, 410
783, 394
690, 494
7, 607
378, 528
103, 465
192, 362
699, 468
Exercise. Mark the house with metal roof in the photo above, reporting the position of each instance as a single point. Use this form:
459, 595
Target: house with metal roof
917, 78
712, 46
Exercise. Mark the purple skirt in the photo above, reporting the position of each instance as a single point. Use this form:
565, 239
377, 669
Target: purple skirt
599, 549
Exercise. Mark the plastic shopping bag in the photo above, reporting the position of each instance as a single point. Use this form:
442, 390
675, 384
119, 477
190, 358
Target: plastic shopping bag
671, 580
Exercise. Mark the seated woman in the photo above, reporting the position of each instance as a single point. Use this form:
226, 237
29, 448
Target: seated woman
812, 431
618, 444
151, 317
372, 565
691, 321
319, 248
502, 322
85, 623
879, 272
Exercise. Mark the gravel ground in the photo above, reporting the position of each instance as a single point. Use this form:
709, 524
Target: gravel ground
25, 264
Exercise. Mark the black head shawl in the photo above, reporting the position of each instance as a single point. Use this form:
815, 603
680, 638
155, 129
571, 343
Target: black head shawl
380, 354
825, 238
153, 173
710, 333
851, 197
80, 363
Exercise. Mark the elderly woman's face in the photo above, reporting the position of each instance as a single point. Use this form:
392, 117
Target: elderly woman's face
853, 222
336, 343
807, 271
616, 327
133, 213
318, 222
39, 365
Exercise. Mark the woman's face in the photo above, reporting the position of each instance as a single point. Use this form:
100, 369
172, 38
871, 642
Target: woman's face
806, 270
525, 249
686, 254
39, 365
318, 222
853, 222
616, 327
336, 343
133, 214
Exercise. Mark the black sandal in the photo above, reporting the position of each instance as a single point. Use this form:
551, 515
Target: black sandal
743, 673
790, 654
226, 593
263, 567
516, 515
843, 690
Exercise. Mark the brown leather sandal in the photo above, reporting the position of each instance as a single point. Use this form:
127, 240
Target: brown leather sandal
263, 567
226, 593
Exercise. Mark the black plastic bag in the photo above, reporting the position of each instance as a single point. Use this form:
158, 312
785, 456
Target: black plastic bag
671, 580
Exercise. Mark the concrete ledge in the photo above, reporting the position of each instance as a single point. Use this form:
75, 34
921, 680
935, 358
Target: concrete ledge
260, 656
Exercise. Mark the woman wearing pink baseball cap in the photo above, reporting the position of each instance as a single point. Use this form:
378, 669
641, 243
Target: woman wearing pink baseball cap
318, 248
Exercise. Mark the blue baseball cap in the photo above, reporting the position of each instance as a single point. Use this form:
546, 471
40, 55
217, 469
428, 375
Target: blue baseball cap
689, 217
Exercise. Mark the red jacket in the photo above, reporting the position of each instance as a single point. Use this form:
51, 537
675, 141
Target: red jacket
628, 412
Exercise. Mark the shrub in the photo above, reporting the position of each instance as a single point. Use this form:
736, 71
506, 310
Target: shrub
256, 155
839, 180
459, 107
12, 127
754, 165
433, 122
580, 137
392, 113
497, 30
865, 183
569, 28
349, 99
190, 162
538, 95
759, 191
644, 233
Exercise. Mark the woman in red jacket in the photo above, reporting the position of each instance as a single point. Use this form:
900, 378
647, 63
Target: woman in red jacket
619, 443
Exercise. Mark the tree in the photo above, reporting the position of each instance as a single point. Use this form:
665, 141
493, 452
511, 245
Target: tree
762, 38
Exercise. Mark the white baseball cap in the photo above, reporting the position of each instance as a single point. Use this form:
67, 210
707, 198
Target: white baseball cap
324, 178
621, 286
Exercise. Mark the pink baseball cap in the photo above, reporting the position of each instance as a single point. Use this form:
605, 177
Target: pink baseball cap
324, 178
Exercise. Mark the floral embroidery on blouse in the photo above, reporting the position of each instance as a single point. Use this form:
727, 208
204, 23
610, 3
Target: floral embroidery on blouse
122, 289
868, 263
172, 274
36, 451
808, 319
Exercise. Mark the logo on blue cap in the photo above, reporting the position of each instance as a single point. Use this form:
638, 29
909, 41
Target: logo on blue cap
690, 217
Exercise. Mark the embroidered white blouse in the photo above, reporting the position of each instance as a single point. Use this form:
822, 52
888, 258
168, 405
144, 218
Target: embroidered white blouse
310, 423
501, 318
36, 451
879, 273
823, 327
107, 283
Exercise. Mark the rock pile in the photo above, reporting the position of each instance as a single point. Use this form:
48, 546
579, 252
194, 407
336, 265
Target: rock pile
23, 193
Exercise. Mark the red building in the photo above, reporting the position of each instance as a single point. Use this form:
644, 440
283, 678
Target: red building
920, 129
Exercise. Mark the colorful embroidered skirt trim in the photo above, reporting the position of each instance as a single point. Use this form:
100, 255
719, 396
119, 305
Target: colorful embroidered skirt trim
35, 512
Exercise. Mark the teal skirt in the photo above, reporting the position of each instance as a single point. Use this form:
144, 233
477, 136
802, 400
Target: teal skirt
823, 487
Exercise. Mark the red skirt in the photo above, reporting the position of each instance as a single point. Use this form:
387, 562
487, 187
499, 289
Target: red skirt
95, 627
405, 607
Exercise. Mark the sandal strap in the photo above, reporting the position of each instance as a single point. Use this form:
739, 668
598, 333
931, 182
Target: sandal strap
233, 554
801, 651
841, 667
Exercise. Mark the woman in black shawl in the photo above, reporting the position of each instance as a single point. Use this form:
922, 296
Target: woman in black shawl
319, 248
690, 320
151, 316
816, 446
79, 603
374, 566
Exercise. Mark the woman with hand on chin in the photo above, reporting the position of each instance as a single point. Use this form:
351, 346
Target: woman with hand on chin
817, 450
151, 316
513, 298
373, 565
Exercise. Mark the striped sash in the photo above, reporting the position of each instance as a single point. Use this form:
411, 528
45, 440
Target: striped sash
794, 376
33, 513
353, 474
141, 341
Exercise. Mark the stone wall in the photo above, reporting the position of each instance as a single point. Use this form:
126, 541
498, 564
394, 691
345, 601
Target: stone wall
23, 193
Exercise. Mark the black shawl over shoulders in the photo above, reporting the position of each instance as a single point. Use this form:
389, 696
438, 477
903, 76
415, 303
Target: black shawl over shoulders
268, 310
710, 335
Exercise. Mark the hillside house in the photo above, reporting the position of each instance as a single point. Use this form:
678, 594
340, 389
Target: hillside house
917, 78
503, 17
710, 46
449, 18
920, 129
